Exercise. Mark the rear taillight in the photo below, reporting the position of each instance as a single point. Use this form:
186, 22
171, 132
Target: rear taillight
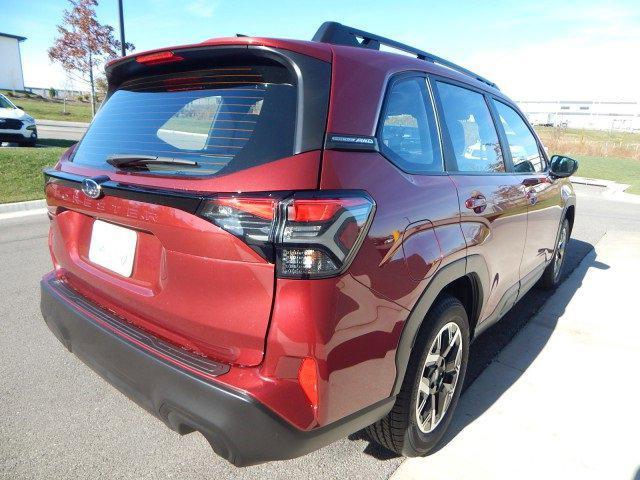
251, 218
307, 234
320, 232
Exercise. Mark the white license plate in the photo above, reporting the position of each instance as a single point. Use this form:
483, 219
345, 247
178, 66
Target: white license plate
113, 247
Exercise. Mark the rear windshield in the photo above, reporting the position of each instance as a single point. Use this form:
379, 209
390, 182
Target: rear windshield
204, 122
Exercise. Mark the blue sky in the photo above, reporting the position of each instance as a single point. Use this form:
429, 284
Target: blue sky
542, 49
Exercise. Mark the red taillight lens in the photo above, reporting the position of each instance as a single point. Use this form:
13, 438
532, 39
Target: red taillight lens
248, 217
158, 58
319, 210
308, 235
308, 379
259, 207
322, 232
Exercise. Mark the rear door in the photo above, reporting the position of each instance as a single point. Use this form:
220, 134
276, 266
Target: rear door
189, 157
543, 192
492, 201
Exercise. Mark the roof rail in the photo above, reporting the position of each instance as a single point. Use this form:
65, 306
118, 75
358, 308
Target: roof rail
338, 34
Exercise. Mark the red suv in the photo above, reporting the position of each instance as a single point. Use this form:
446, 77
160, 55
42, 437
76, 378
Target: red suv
277, 243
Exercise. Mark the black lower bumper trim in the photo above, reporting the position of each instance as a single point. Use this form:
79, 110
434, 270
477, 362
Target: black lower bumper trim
238, 427
15, 138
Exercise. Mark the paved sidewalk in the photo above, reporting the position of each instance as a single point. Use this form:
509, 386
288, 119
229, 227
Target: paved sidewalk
563, 399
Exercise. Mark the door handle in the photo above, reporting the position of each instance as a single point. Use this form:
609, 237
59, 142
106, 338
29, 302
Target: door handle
477, 203
533, 181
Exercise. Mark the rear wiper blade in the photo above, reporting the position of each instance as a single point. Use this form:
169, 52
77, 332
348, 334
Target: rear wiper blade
144, 160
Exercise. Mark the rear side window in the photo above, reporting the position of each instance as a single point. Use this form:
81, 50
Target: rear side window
473, 135
220, 120
522, 144
408, 134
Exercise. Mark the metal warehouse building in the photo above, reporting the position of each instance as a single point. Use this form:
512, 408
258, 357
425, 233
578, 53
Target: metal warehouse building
11, 77
592, 115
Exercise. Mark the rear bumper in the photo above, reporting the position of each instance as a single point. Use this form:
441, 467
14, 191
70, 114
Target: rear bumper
238, 427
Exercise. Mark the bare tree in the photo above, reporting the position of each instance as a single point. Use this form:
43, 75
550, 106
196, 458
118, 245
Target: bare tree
84, 44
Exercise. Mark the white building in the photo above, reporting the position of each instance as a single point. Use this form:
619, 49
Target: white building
589, 115
11, 63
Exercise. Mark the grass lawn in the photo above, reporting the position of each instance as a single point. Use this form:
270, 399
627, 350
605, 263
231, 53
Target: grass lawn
50, 110
589, 135
622, 170
21, 169
40, 109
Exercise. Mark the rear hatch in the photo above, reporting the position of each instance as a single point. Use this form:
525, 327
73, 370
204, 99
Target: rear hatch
145, 214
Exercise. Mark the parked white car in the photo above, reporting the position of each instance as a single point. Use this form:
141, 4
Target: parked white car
15, 125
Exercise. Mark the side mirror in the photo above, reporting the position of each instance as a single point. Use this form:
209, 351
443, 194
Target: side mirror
19, 107
562, 166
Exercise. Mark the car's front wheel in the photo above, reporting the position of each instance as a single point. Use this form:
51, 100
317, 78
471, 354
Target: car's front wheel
553, 272
432, 384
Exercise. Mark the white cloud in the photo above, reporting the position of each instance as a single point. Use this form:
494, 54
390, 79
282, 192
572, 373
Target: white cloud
41, 73
203, 8
597, 61
566, 69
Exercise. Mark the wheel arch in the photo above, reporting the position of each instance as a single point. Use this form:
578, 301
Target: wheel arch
466, 279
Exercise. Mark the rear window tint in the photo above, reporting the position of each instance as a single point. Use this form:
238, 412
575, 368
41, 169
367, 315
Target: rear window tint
224, 120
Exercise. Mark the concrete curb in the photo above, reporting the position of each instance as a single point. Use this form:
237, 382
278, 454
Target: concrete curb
594, 182
60, 123
22, 206
597, 182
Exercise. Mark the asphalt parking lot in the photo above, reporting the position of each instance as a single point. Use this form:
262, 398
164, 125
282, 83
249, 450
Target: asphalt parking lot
61, 421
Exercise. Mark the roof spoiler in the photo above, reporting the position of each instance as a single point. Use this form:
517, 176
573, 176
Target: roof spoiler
338, 34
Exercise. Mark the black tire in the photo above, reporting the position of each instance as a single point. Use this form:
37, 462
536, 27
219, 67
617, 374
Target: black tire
399, 431
552, 275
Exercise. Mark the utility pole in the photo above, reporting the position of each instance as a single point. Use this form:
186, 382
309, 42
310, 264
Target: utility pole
122, 43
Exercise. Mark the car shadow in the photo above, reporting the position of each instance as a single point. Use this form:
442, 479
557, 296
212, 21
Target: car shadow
487, 346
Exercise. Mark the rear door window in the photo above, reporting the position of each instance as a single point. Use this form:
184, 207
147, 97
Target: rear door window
470, 126
408, 134
222, 120
524, 149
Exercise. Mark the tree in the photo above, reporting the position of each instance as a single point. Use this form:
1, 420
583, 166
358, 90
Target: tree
53, 93
84, 44
101, 87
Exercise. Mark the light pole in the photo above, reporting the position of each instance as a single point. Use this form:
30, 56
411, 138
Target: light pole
122, 44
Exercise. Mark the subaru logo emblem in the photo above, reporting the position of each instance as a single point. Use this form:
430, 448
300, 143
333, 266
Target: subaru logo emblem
91, 188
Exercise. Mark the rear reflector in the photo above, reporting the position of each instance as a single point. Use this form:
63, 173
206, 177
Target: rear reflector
307, 235
158, 58
308, 379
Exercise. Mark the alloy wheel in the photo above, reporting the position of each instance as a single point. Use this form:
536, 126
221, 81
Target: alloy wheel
439, 378
559, 254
